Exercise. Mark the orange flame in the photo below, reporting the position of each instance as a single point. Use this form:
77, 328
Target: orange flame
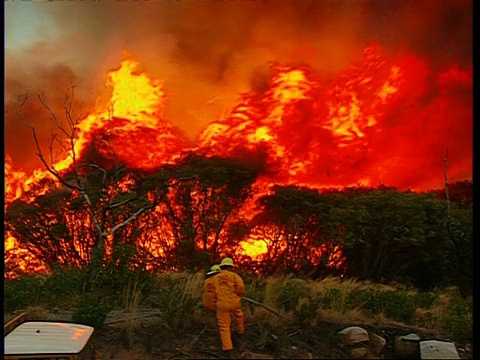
313, 135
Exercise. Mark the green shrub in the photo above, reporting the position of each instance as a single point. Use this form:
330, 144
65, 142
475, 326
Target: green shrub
306, 311
89, 310
457, 320
424, 300
119, 271
254, 287
398, 305
114, 282
361, 299
179, 297
23, 292
290, 295
330, 299
63, 281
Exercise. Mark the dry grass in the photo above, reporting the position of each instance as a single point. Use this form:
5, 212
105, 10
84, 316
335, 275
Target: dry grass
435, 316
345, 286
132, 297
263, 320
186, 291
339, 306
118, 352
193, 287
432, 317
172, 310
273, 287
344, 317
179, 295
39, 313
176, 308
190, 285
340, 311
262, 316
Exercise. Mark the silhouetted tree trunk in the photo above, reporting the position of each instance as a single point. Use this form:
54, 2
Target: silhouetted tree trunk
99, 197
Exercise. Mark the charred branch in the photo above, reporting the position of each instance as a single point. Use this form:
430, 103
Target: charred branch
130, 218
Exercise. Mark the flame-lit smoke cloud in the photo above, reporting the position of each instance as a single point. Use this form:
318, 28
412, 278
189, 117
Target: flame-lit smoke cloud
207, 52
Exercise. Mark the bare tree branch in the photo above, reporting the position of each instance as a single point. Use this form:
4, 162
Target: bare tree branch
113, 206
96, 167
67, 129
130, 218
39, 152
53, 116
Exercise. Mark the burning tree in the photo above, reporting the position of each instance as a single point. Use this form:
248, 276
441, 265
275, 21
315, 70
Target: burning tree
298, 219
42, 224
98, 185
134, 179
198, 211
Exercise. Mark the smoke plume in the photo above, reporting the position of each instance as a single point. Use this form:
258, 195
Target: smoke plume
208, 52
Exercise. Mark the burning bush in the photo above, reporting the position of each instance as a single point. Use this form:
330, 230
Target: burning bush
253, 184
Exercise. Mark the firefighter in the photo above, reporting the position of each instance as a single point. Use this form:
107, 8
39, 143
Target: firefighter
229, 289
209, 296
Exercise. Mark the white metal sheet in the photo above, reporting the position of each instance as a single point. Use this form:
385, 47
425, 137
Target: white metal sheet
40, 337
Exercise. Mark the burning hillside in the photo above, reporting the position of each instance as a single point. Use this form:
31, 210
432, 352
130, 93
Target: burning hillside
381, 121
372, 125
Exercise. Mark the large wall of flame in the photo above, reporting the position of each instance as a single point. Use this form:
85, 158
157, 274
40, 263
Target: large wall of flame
208, 52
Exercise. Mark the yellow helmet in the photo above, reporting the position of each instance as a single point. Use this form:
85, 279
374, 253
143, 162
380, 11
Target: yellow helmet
214, 269
227, 262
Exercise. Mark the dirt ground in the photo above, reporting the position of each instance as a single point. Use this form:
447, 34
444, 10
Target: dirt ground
198, 341
152, 339
149, 336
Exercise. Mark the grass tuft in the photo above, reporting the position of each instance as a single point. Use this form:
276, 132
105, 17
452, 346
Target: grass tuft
178, 298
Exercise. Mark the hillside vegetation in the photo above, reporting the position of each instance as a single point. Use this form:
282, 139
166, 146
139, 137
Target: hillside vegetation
406, 262
381, 234
298, 302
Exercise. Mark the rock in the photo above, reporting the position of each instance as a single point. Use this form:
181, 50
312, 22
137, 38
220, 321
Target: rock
434, 349
377, 343
359, 353
406, 347
362, 353
353, 335
411, 337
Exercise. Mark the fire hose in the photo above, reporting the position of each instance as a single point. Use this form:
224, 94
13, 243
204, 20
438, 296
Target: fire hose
262, 305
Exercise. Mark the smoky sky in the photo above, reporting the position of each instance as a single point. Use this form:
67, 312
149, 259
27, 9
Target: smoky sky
208, 52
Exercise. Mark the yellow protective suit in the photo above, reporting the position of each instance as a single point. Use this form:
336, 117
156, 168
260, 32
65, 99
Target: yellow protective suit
229, 289
209, 295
